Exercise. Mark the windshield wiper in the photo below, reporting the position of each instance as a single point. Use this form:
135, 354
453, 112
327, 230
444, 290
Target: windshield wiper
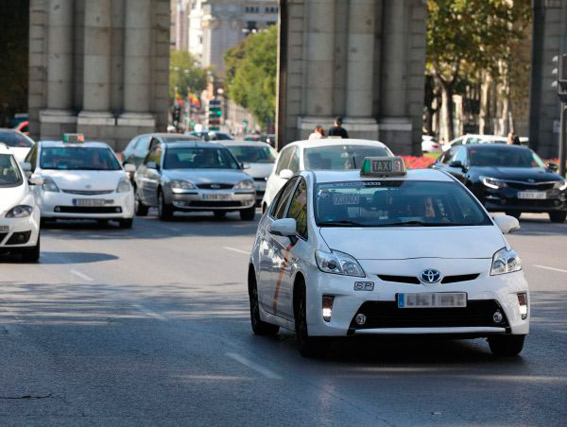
341, 223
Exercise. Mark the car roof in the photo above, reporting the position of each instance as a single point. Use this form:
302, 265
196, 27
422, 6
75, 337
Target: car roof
327, 176
331, 142
167, 135
244, 143
94, 144
194, 144
491, 137
496, 147
4, 149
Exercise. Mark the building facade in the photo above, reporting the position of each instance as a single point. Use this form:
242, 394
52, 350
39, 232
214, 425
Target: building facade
98, 67
363, 60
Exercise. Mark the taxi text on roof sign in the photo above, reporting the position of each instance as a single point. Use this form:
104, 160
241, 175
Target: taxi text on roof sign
73, 137
383, 167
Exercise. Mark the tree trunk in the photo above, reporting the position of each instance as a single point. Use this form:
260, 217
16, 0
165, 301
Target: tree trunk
446, 131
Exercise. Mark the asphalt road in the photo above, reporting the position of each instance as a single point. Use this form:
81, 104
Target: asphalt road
150, 326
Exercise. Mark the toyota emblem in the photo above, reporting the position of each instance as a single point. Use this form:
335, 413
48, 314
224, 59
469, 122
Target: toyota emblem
430, 276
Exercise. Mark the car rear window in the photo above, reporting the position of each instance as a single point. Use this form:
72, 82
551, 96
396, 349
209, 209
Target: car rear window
340, 157
14, 139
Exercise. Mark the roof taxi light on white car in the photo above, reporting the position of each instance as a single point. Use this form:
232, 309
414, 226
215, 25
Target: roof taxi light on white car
385, 251
19, 213
81, 180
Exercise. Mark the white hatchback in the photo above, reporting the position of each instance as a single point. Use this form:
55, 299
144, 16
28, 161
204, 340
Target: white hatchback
382, 251
81, 180
19, 213
321, 154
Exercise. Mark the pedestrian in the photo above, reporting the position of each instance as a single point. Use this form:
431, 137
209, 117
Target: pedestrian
517, 140
338, 129
318, 133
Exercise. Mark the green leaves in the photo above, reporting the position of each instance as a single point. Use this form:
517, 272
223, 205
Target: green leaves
185, 74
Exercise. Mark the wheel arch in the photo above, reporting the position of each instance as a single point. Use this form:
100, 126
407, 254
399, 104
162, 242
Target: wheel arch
298, 282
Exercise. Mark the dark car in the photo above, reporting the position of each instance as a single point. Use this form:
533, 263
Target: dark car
211, 135
508, 178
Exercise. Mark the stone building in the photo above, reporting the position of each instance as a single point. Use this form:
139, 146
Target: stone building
98, 67
363, 60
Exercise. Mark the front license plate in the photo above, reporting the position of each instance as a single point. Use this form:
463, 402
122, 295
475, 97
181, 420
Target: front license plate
432, 300
217, 197
4, 229
88, 202
532, 195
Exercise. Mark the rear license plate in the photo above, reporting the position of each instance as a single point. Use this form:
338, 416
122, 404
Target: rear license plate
217, 197
432, 300
4, 229
532, 195
89, 202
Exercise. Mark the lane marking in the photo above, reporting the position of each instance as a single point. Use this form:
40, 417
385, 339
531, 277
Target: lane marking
238, 251
81, 275
150, 313
254, 366
550, 268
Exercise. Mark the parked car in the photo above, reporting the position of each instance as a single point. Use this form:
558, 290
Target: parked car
508, 178
475, 139
18, 143
193, 176
322, 154
430, 145
259, 156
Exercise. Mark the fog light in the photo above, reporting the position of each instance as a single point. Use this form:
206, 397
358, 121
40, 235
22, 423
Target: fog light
360, 319
497, 317
57, 209
523, 301
328, 301
117, 210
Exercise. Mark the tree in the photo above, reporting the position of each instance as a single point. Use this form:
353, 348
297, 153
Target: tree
251, 74
185, 74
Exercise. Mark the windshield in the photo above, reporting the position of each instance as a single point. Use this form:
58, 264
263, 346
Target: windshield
339, 157
78, 158
504, 157
396, 203
9, 172
247, 154
199, 158
14, 139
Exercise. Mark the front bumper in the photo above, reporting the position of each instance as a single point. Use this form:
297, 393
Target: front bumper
506, 199
212, 200
19, 232
485, 295
64, 206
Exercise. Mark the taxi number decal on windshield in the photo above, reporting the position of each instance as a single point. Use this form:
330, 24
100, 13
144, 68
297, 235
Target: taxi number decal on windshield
346, 199
287, 256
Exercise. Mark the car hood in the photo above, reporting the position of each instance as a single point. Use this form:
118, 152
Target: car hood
10, 197
516, 174
85, 180
206, 176
415, 242
260, 170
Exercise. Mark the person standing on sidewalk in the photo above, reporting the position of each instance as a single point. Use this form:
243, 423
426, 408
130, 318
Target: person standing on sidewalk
338, 129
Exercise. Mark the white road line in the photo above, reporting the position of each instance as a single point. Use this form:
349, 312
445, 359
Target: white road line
238, 251
81, 275
551, 268
150, 313
254, 366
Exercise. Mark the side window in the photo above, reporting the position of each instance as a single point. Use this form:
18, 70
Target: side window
294, 163
278, 208
461, 155
153, 156
452, 154
153, 143
445, 157
298, 208
283, 161
457, 142
142, 145
134, 144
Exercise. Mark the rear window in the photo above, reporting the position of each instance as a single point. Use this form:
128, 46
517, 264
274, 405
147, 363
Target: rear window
9, 172
340, 157
14, 139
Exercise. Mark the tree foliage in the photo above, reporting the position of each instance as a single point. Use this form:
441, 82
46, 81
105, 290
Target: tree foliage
251, 74
185, 74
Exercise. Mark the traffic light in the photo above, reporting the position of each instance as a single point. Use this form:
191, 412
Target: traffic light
214, 114
561, 72
176, 114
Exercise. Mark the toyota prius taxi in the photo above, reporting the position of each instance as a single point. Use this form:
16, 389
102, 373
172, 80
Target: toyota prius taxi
81, 180
386, 251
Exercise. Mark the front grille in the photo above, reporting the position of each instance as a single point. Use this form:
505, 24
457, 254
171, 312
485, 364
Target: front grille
19, 238
215, 186
459, 278
89, 210
201, 204
2, 237
87, 192
535, 186
386, 314
400, 279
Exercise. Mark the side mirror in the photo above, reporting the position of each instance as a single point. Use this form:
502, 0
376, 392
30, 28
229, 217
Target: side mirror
246, 166
506, 223
283, 227
286, 174
552, 167
457, 164
130, 168
36, 180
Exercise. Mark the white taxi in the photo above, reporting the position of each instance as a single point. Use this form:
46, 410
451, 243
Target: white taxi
386, 251
81, 180
19, 213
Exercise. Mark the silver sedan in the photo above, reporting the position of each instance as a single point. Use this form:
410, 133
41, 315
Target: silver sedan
199, 176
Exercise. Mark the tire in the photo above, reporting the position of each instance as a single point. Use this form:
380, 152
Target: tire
506, 345
558, 216
219, 214
165, 211
140, 208
126, 223
259, 327
307, 346
248, 214
32, 254
515, 214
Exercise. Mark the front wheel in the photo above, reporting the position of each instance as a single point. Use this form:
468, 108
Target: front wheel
141, 209
558, 216
31, 254
165, 210
506, 345
248, 214
258, 325
308, 346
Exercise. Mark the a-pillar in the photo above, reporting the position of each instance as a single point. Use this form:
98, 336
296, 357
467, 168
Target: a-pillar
96, 120
59, 118
137, 118
360, 70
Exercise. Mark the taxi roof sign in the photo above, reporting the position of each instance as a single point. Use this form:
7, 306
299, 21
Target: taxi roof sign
383, 167
73, 137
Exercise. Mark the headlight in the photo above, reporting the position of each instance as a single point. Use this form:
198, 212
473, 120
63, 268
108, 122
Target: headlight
19, 212
338, 263
49, 185
181, 185
245, 185
505, 261
124, 186
561, 185
493, 182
